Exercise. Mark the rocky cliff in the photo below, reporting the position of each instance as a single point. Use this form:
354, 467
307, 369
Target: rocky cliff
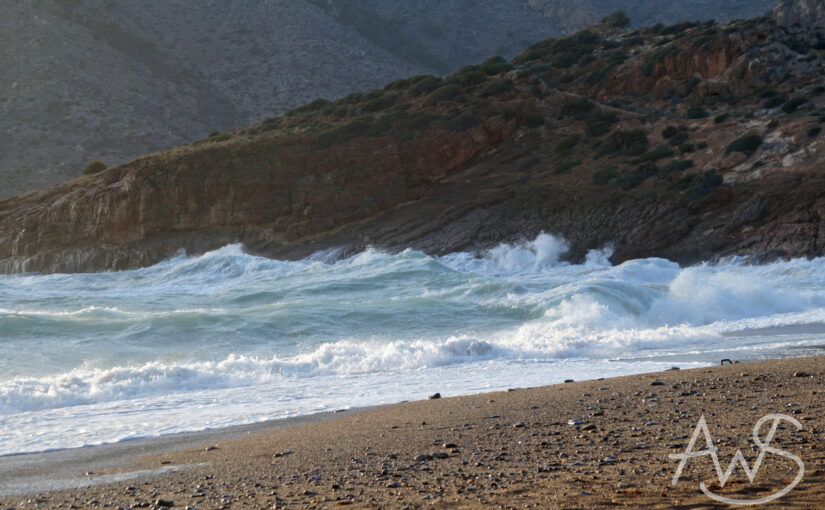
99, 79
799, 12
687, 141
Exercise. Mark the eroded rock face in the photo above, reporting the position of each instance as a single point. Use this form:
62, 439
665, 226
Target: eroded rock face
498, 159
799, 12
264, 194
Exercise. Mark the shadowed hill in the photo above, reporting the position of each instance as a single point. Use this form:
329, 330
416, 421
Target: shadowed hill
685, 141
110, 80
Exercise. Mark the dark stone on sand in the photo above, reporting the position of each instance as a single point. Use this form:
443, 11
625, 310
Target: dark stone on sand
588, 427
165, 503
393, 485
657, 383
801, 374
568, 380
423, 457
449, 445
518, 425
210, 448
434, 396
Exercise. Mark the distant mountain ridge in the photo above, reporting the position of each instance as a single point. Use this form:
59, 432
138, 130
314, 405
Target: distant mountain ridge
111, 80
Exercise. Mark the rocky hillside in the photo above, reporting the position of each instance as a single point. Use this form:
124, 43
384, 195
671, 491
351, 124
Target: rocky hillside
686, 141
110, 80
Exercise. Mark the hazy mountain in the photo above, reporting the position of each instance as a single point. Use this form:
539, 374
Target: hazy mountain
113, 79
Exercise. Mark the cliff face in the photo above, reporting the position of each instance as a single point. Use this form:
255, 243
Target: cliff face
669, 141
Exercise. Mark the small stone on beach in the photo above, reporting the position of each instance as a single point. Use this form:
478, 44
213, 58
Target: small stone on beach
434, 396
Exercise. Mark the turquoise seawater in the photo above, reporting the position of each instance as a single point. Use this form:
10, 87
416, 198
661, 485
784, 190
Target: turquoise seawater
228, 338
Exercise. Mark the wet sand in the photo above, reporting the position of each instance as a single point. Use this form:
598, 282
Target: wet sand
591, 444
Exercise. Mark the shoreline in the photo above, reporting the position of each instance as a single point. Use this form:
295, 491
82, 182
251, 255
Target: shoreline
491, 449
66, 463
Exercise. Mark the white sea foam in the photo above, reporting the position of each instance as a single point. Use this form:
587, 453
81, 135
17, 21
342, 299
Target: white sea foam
227, 337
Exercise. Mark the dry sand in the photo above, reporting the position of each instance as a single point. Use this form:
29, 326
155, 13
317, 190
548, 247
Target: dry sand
511, 449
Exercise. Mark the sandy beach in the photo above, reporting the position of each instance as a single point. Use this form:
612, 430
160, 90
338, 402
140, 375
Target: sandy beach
590, 444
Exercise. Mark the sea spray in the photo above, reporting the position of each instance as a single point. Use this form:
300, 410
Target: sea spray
227, 338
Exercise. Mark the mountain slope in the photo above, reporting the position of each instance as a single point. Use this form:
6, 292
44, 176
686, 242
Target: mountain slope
687, 141
101, 79
113, 80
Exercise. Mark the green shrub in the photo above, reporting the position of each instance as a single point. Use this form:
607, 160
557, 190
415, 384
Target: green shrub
745, 144
535, 120
709, 182
686, 147
345, 132
631, 142
616, 19
655, 58
679, 138
423, 84
677, 28
498, 87
270, 123
310, 107
654, 155
604, 176
697, 112
220, 137
631, 179
564, 166
677, 165
596, 77
669, 132
95, 167
382, 102
566, 144
457, 120
599, 123
468, 78
450, 92
578, 45
773, 102
564, 60
577, 108
495, 65
398, 84
508, 114
793, 104
419, 121
702, 145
